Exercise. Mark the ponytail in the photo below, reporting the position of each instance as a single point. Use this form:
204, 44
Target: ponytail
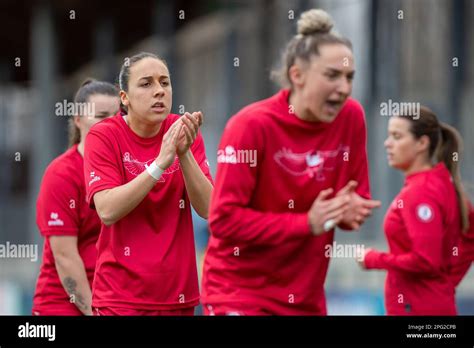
448, 152
74, 134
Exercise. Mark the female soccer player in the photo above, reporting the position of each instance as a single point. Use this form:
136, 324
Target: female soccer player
281, 162
143, 171
69, 226
424, 222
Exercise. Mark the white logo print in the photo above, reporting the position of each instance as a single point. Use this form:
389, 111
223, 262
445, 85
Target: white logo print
311, 163
94, 178
314, 160
425, 212
55, 220
136, 167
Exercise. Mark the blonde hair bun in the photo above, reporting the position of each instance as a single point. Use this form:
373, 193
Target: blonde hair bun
314, 21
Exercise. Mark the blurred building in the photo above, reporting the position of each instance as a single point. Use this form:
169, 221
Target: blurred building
220, 55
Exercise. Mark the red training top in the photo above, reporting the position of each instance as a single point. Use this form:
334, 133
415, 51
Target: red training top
271, 167
147, 259
422, 227
61, 210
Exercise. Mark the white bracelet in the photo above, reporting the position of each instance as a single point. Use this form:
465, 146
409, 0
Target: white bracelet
154, 171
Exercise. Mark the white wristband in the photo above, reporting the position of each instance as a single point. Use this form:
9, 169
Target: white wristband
154, 171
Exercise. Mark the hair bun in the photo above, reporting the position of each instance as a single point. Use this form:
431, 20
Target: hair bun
314, 21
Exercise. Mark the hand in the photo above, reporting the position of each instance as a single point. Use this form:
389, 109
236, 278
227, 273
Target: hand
324, 210
189, 131
359, 208
360, 258
168, 146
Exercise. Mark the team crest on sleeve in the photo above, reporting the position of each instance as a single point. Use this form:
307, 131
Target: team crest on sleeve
424, 212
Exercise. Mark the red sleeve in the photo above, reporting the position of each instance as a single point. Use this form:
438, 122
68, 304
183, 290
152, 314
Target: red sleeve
230, 214
358, 158
101, 169
199, 152
57, 205
465, 256
358, 162
424, 224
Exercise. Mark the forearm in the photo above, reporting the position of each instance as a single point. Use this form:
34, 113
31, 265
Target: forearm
114, 204
73, 277
408, 262
198, 186
245, 225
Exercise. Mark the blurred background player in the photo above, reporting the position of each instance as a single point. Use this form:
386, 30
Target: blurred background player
69, 227
424, 222
143, 171
269, 216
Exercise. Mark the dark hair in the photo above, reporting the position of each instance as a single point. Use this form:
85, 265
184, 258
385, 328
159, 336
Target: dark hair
445, 143
124, 76
88, 88
314, 30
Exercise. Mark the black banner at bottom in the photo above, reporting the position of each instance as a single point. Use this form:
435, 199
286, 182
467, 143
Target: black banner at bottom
16, 331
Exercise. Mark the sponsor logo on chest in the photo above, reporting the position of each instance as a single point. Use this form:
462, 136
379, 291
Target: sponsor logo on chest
313, 163
136, 167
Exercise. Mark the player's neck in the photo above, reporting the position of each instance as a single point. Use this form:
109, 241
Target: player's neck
418, 166
141, 129
80, 148
296, 104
